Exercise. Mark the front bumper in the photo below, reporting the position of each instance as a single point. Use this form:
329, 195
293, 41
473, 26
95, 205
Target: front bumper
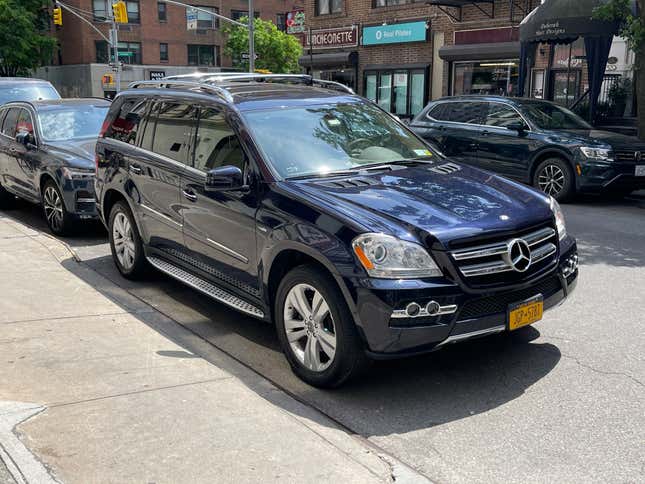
476, 314
600, 176
79, 197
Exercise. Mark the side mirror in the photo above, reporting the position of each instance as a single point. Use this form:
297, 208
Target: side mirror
518, 126
224, 179
25, 138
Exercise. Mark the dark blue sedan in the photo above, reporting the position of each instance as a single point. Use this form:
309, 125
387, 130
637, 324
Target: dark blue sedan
536, 142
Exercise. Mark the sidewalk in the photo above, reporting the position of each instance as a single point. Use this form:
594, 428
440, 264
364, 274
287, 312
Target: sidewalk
97, 386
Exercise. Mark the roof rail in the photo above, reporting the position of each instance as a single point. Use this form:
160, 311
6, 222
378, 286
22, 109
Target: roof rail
169, 84
256, 77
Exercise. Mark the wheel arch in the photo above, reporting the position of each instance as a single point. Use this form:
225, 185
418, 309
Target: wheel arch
546, 154
111, 197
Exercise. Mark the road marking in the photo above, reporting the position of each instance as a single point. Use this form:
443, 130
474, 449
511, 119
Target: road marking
21, 463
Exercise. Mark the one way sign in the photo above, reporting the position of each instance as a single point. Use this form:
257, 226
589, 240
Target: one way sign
247, 56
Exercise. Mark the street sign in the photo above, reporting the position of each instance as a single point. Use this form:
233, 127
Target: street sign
191, 19
246, 56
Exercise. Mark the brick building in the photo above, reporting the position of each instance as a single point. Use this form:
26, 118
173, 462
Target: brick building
402, 53
156, 41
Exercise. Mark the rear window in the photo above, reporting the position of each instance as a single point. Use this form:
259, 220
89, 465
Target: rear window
27, 92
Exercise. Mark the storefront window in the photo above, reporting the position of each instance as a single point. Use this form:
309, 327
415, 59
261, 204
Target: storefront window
399, 91
344, 75
486, 77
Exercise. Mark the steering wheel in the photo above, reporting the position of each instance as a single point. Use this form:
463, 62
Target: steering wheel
355, 145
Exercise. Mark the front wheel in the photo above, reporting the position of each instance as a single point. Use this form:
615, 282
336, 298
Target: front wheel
316, 329
56, 214
125, 242
554, 177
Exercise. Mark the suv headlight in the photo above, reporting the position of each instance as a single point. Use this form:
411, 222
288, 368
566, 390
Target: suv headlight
387, 257
603, 154
559, 218
76, 173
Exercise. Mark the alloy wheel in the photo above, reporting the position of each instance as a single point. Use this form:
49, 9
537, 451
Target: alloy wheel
309, 327
123, 240
53, 208
551, 180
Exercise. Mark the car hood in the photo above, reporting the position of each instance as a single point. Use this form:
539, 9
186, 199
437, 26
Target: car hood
615, 140
74, 153
446, 200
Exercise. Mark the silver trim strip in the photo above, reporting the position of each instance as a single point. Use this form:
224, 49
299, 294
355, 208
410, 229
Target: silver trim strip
85, 200
228, 250
499, 248
206, 287
542, 252
461, 337
401, 313
160, 215
484, 268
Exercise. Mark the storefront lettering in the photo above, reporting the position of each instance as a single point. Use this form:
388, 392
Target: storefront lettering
333, 38
550, 29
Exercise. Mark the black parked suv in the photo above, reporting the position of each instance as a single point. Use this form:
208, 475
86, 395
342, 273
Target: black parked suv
533, 141
317, 210
47, 156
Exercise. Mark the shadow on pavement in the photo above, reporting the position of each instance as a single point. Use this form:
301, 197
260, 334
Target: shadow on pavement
393, 397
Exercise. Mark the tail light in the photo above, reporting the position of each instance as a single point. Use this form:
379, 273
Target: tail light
104, 128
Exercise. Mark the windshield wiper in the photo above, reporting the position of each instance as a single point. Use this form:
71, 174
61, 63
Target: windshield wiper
321, 174
422, 160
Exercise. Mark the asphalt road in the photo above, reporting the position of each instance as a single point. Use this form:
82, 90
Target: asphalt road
560, 401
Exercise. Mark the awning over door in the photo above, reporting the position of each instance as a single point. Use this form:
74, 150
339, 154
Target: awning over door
329, 59
557, 21
492, 51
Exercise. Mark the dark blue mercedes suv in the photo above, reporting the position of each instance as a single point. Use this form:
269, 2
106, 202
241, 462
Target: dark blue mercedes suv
533, 141
316, 210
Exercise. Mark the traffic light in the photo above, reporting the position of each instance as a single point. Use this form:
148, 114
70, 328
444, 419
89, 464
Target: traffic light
58, 16
120, 12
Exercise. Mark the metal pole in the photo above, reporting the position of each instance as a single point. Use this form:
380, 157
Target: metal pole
251, 37
114, 38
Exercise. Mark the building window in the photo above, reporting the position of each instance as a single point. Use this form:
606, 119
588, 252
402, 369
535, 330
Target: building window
206, 21
163, 52
399, 91
130, 52
486, 77
325, 7
202, 55
133, 11
388, 3
102, 52
162, 12
99, 9
281, 22
238, 14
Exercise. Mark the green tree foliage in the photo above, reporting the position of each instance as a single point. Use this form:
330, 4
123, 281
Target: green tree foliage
277, 52
25, 40
632, 28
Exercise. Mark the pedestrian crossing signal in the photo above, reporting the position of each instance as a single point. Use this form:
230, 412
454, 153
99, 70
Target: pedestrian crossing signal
120, 12
58, 16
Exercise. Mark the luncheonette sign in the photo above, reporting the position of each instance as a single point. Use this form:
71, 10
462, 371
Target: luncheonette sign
333, 38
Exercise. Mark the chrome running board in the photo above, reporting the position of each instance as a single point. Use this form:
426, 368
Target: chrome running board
461, 337
205, 287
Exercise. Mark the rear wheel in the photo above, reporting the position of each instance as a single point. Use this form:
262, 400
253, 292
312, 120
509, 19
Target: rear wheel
125, 242
57, 217
316, 329
554, 177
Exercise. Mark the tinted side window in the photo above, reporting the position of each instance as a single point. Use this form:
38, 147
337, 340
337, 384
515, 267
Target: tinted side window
440, 112
172, 134
9, 126
502, 115
216, 143
126, 124
467, 112
147, 134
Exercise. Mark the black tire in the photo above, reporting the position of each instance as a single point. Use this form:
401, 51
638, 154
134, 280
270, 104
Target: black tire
563, 187
350, 359
6, 199
137, 268
58, 219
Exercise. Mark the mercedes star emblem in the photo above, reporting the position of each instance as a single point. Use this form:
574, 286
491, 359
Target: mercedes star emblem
518, 255
638, 155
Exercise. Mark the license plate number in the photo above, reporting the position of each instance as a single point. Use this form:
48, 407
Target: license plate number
525, 312
640, 170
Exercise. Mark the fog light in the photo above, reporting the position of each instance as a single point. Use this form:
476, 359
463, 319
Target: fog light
412, 310
433, 308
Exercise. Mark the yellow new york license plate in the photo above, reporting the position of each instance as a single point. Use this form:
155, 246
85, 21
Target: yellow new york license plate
525, 312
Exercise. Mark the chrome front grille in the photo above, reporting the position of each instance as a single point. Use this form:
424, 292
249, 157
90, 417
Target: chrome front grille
495, 258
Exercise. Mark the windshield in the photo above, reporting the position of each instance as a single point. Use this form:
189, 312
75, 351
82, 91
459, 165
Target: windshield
328, 138
72, 122
29, 92
552, 116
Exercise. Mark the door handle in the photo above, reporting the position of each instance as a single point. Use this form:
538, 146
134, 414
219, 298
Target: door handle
190, 195
485, 133
135, 169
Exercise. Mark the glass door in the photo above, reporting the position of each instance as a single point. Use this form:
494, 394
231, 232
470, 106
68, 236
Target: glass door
565, 86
